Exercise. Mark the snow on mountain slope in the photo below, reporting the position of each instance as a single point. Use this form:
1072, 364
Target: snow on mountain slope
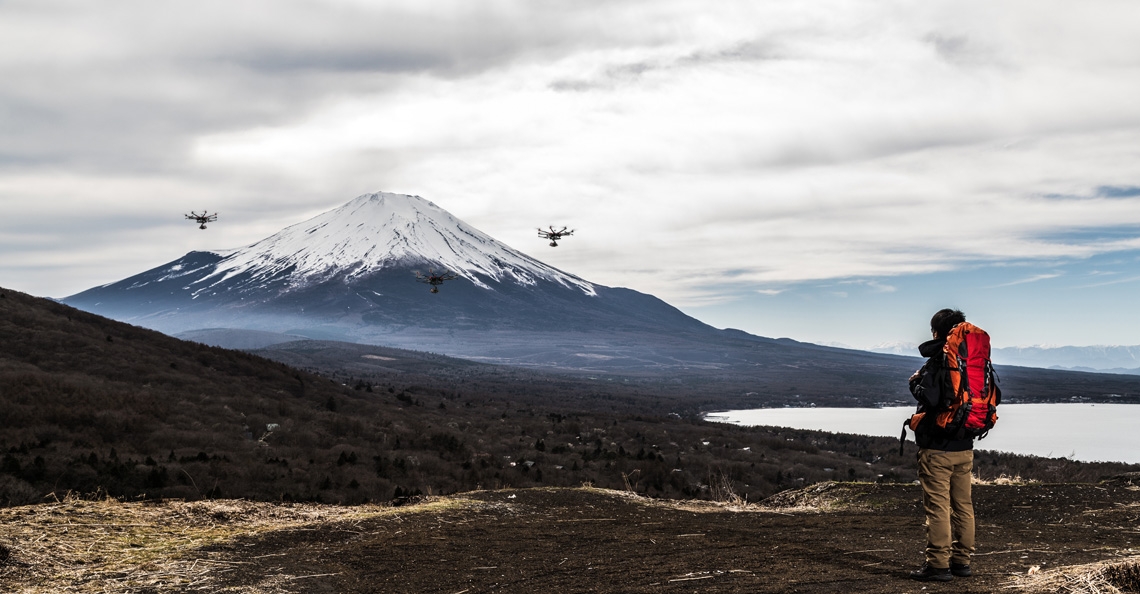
896, 348
376, 231
1118, 359
347, 275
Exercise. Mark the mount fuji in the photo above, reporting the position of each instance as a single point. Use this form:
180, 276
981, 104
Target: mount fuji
348, 275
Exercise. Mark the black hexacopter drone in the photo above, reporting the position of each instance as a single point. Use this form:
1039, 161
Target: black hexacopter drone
434, 279
553, 235
203, 218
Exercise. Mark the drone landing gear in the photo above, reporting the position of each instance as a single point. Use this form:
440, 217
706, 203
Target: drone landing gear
203, 218
553, 235
434, 279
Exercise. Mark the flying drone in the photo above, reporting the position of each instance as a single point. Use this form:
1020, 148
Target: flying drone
434, 279
553, 235
203, 218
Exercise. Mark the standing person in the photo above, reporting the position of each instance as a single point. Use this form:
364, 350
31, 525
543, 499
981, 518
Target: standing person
945, 460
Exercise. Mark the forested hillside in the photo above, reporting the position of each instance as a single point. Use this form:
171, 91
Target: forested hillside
89, 404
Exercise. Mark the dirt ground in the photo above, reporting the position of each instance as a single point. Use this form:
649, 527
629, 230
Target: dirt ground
831, 537
585, 540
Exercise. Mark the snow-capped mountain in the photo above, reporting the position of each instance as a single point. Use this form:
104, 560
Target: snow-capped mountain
348, 274
896, 348
377, 231
1107, 359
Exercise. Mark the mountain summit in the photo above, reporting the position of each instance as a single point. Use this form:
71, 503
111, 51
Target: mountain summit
377, 231
348, 274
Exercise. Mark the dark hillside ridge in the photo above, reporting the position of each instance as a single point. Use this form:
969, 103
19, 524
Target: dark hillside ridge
176, 297
751, 374
618, 333
90, 404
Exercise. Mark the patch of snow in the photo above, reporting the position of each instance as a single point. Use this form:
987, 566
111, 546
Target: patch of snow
375, 231
895, 348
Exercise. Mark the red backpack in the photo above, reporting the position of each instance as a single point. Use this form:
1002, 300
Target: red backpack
959, 387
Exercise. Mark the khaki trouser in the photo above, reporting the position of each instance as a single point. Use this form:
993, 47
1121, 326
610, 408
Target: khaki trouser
945, 478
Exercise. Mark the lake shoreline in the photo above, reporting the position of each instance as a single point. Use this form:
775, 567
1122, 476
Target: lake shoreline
1086, 431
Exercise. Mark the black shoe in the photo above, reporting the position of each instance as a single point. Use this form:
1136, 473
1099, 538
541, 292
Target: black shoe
929, 573
960, 570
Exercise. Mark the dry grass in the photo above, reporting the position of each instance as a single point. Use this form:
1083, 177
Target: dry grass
1105, 577
691, 505
722, 491
804, 502
820, 497
1002, 479
110, 546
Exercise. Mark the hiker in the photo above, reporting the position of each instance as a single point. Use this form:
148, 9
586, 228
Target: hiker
957, 394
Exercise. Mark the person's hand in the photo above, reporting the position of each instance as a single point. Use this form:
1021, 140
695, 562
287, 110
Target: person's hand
916, 375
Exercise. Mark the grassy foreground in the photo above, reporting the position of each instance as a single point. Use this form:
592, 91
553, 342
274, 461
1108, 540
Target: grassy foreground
78, 545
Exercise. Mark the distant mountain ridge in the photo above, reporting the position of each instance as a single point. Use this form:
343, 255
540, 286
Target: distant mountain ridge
1089, 357
1102, 359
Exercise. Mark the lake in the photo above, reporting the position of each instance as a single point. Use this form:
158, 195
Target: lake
1086, 432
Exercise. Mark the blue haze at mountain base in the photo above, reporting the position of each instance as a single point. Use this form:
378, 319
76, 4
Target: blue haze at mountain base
1058, 302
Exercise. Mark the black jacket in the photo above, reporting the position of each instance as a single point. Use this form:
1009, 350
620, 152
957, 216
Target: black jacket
927, 390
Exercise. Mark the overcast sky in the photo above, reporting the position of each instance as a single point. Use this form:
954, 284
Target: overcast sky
831, 171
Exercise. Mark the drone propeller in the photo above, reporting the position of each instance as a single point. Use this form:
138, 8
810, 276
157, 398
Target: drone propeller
553, 235
434, 279
203, 218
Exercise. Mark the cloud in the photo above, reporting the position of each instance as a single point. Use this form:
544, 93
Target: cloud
1031, 279
699, 149
129, 88
1119, 281
874, 285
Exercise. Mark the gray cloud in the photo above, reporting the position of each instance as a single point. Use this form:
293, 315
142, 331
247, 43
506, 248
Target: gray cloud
625, 73
760, 143
952, 48
755, 50
129, 88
